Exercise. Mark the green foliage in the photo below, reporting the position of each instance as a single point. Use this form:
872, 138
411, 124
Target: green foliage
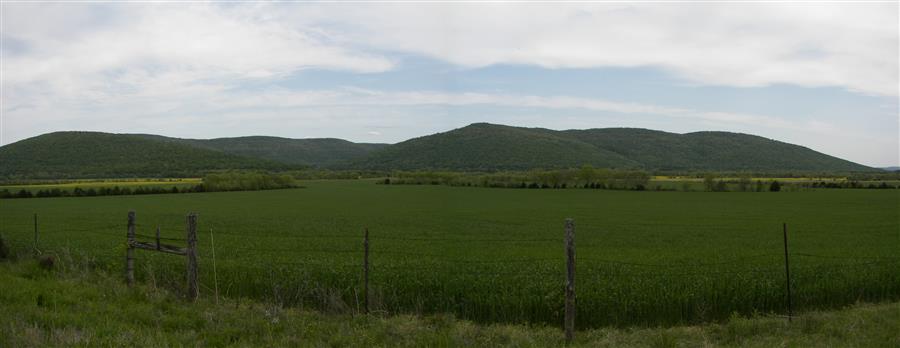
489, 147
744, 183
103, 155
711, 151
644, 258
94, 308
325, 152
775, 186
480, 147
100, 191
4, 249
713, 185
243, 181
586, 177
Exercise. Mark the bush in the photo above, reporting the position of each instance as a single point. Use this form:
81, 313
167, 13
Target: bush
47, 262
237, 181
4, 250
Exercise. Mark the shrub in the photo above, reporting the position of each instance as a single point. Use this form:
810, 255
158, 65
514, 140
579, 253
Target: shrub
4, 250
237, 181
47, 262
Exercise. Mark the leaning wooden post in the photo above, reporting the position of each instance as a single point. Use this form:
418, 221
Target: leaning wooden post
212, 245
129, 252
157, 237
787, 274
193, 286
366, 271
34, 248
570, 280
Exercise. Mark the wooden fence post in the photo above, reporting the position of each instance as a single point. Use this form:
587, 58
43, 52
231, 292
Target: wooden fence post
193, 284
787, 274
34, 248
212, 245
366, 271
570, 281
129, 252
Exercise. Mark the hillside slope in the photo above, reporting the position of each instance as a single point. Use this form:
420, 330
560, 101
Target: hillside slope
80, 306
313, 152
657, 150
477, 147
102, 155
488, 147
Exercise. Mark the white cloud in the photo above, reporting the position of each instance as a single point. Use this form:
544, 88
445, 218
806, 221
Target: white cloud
358, 97
399, 115
180, 69
160, 48
78, 49
849, 45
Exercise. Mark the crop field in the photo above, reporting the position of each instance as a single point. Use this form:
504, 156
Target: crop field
496, 255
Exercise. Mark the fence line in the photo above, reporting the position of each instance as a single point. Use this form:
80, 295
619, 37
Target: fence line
593, 269
845, 257
466, 240
438, 258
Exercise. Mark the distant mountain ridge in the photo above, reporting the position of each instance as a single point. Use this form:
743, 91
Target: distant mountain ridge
316, 152
477, 147
485, 146
103, 155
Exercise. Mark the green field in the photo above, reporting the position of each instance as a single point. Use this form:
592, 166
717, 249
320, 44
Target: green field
644, 258
89, 308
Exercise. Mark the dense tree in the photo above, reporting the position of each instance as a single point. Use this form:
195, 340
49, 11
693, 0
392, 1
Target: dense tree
486, 147
775, 186
101, 155
744, 183
709, 182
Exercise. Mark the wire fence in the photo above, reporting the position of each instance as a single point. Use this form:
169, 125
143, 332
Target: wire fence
463, 269
399, 259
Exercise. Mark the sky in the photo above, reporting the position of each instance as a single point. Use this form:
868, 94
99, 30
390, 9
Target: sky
822, 75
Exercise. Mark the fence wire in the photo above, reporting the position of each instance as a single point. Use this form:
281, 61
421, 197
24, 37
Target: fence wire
423, 261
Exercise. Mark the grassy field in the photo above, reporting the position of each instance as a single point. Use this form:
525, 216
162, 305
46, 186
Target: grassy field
496, 255
78, 306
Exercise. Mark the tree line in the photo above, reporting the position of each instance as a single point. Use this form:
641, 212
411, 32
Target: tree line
745, 184
229, 181
585, 177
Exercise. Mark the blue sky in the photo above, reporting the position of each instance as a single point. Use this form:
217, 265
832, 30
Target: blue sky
823, 76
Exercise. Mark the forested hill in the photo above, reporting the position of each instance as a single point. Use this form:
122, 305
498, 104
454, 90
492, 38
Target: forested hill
103, 155
488, 147
321, 152
477, 147
484, 146
715, 151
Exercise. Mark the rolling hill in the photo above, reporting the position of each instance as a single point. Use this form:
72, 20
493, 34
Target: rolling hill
487, 147
103, 155
484, 146
656, 150
477, 147
321, 152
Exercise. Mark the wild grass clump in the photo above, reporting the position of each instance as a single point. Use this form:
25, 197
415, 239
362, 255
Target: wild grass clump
65, 308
